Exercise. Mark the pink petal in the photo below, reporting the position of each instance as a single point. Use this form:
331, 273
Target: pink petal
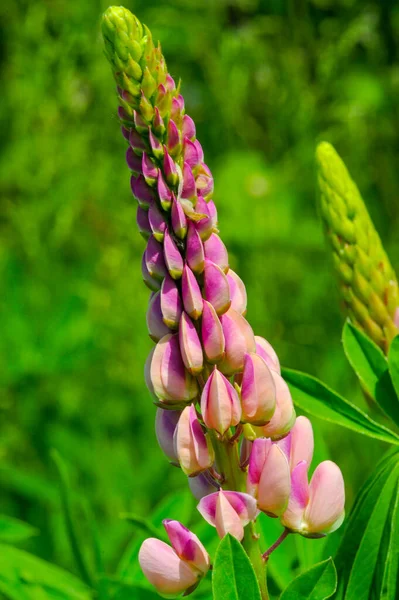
275, 483
216, 287
190, 345
191, 293
325, 511
284, 416
302, 442
239, 340
171, 305
173, 258
238, 293
220, 405
212, 334
299, 497
216, 252
187, 545
155, 323
266, 351
165, 426
258, 392
194, 250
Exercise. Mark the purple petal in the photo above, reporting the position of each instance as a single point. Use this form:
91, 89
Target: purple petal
216, 287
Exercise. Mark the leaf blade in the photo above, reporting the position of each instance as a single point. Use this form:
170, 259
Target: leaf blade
317, 583
233, 576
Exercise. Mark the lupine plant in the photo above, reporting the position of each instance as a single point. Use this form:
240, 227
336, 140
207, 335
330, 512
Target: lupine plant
225, 414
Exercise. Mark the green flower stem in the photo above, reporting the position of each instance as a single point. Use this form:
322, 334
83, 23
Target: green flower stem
234, 478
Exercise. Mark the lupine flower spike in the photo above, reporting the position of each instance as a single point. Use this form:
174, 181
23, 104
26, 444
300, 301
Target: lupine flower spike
217, 386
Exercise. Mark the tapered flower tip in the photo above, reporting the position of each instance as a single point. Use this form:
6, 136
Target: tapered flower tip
164, 193
212, 334
326, 508
133, 162
284, 416
275, 483
228, 511
216, 252
201, 485
299, 497
191, 153
239, 340
220, 405
188, 191
179, 219
169, 166
152, 283
188, 127
173, 258
171, 304
155, 323
190, 345
170, 381
192, 447
187, 545
204, 181
238, 293
154, 259
258, 391
122, 33
266, 351
194, 250
149, 169
165, 426
298, 445
143, 223
216, 287
169, 574
191, 294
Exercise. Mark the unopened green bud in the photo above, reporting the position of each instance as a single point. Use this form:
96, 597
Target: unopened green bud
367, 281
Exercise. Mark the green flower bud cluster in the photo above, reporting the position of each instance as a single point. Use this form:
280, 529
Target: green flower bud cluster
367, 281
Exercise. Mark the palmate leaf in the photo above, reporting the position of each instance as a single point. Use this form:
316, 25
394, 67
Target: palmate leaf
317, 583
367, 558
24, 577
371, 367
318, 400
233, 577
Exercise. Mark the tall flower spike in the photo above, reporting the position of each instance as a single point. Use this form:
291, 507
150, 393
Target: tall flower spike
367, 281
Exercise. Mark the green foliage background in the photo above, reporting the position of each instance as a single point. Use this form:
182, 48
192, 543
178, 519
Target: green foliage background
265, 81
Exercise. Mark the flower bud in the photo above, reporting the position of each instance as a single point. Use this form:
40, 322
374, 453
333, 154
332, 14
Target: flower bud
216, 287
171, 305
191, 153
164, 193
190, 346
154, 259
188, 128
139, 123
133, 162
167, 377
194, 250
228, 511
266, 351
141, 191
158, 125
191, 294
155, 323
239, 340
156, 146
149, 170
258, 392
151, 282
284, 415
216, 252
220, 405
177, 108
179, 220
143, 223
169, 169
165, 426
299, 443
269, 477
173, 143
188, 190
238, 294
212, 334
125, 133
136, 142
157, 222
160, 564
187, 546
193, 448
173, 258
319, 508
204, 182
202, 485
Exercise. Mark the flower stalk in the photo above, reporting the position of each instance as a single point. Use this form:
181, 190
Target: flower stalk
217, 386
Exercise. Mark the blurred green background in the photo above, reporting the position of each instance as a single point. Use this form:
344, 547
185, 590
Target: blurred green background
265, 81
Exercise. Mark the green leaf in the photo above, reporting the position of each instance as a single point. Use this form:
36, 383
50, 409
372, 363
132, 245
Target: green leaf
317, 583
72, 526
233, 576
24, 577
13, 531
364, 548
393, 362
315, 398
371, 367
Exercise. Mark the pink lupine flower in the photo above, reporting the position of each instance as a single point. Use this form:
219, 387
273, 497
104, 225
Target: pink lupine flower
191, 294
155, 323
220, 405
258, 391
317, 508
202, 485
284, 416
238, 294
174, 569
239, 341
192, 447
165, 425
212, 334
216, 287
171, 304
269, 477
266, 351
190, 345
228, 511
298, 444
